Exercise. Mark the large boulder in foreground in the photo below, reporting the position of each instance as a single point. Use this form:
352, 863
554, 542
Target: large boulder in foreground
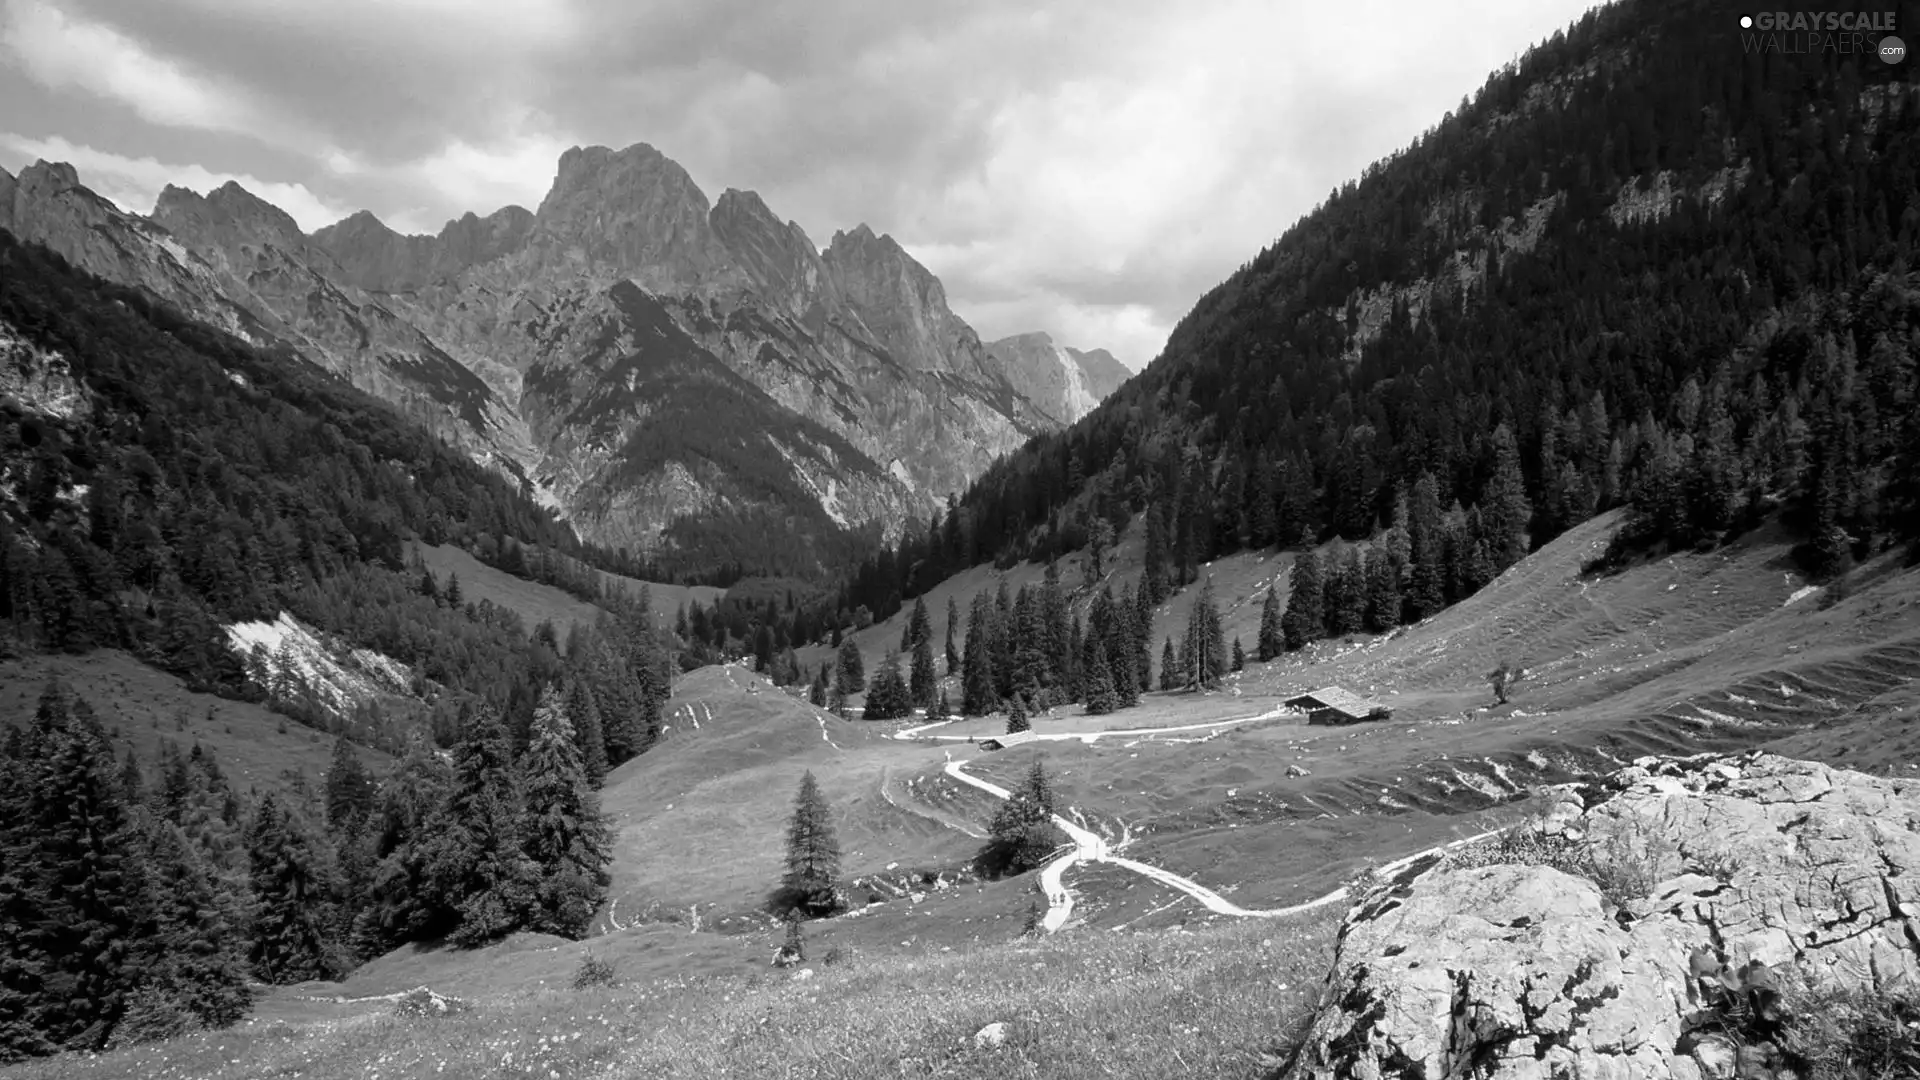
1627, 941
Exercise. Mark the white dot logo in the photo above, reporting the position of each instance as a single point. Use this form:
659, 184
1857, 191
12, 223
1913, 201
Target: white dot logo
1746, 22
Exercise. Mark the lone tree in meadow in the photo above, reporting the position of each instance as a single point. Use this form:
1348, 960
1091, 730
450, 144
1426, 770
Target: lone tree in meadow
813, 854
1502, 679
1023, 834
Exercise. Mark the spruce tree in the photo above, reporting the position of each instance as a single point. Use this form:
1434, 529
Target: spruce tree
293, 904
977, 696
584, 712
953, 629
568, 840
1383, 591
1169, 667
888, 698
1270, 644
1239, 656
1017, 715
1205, 643
813, 853
851, 676
1302, 622
71, 873
476, 864
350, 791
191, 960
1099, 678
1505, 505
1143, 634
818, 693
924, 680
1426, 593
1023, 834
941, 709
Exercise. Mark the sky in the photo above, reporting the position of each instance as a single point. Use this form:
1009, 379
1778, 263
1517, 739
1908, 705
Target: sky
1085, 167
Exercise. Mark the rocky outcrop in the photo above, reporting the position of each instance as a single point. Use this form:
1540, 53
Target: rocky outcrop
1784, 872
1063, 383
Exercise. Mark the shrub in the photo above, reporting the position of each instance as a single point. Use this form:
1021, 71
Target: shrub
594, 972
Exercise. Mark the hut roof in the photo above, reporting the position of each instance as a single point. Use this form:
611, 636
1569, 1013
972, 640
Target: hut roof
1341, 701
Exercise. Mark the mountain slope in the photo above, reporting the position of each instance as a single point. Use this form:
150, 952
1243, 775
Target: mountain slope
1064, 383
550, 345
1641, 267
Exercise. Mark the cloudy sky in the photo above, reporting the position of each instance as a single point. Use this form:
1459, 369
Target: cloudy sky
1086, 167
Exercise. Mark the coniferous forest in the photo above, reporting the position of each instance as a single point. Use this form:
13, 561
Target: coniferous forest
1749, 350
198, 482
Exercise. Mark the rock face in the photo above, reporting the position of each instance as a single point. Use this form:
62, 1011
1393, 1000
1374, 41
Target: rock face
1526, 971
1063, 383
656, 367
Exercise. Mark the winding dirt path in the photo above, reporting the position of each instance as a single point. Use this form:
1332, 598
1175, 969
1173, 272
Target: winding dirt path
1089, 847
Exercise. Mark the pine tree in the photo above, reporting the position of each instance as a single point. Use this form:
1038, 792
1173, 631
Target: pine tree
1346, 591
1383, 591
1239, 655
924, 680
350, 791
977, 696
568, 841
1170, 677
953, 628
851, 677
813, 853
477, 867
1017, 715
453, 595
941, 709
1504, 503
293, 904
584, 710
71, 875
1023, 834
1426, 547
888, 698
191, 959
1270, 644
1143, 635
818, 694
1205, 644
1302, 622
1099, 678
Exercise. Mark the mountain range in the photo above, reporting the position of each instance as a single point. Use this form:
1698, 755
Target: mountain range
680, 378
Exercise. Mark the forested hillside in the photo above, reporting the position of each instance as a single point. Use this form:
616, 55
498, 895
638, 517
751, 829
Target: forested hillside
163, 482
1640, 266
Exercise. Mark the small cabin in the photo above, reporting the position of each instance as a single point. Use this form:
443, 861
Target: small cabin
1333, 705
1012, 738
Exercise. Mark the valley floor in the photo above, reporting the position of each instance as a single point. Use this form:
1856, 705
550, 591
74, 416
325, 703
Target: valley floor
1232, 807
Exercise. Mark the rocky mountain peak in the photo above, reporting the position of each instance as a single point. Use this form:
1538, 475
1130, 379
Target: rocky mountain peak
230, 211
779, 257
634, 213
48, 177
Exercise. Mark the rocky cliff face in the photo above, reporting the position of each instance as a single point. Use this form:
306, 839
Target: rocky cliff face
641, 356
1063, 383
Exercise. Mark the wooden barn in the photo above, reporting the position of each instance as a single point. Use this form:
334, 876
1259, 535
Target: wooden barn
1001, 742
1333, 705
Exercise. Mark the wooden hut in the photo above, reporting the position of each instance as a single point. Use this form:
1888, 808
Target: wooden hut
1333, 705
1001, 742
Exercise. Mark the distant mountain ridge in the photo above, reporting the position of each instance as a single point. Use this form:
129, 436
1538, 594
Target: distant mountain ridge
1064, 383
665, 371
